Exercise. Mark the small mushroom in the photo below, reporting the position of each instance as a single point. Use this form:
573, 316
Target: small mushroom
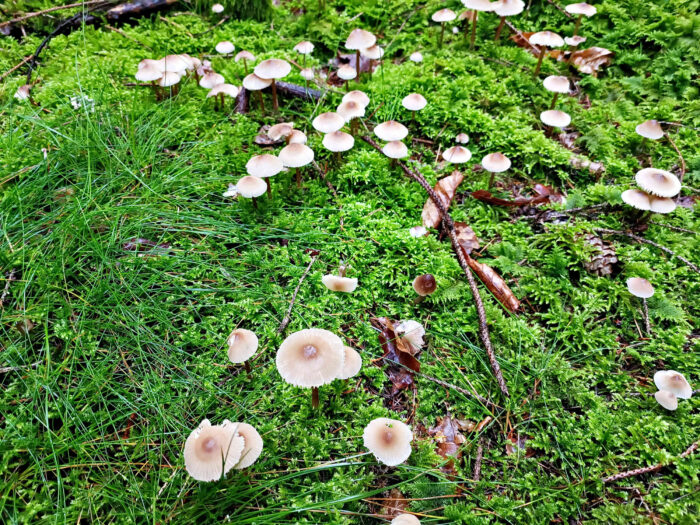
242, 345
388, 440
650, 129
351, 364
360, 97
556, 84
674, 382
264, 166
668, 400
176, 63
441, 17
462, 138
328, 122
581, 9
405, 519
351, 110
338, 141
170, 79
251, 188
424, 285
643, 289
222, 90
217, 9
280, 131
245, 56
507, 8
495, 163
211, 79
476, 6
416, 57
544, 39
658, 182
296, 156
347, 73
304, 48
373, 53
212, 450
296, 137
225, 48
273, 69
359, 39
253, 444
337, 283
391, 131
457, 155
395, 149
411, 333
641, 200
151, 71
555, 118
414, 102
252, 82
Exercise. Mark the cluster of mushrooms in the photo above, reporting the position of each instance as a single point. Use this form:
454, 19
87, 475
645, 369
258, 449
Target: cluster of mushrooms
672, 386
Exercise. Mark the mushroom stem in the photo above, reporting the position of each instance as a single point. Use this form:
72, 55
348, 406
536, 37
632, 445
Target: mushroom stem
223, 101
155, 88
314, 397
262, 102
269, 187
275, 106
298, 175
493, 176
255, 203
357, 65
499, 29
247, 367
341, 270
554, 100
353, 127
473, 38
442, 34
337, 157
578, 24
245, 66
647, 324
539, 62
419, 299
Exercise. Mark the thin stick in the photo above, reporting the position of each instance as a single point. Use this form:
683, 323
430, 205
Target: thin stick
560, 8
288, 316
477, 461
7, 369
646, 470
651, 243
647, 324
675, 228
680, 157
459, 252
15, 68
51, 10
10, 278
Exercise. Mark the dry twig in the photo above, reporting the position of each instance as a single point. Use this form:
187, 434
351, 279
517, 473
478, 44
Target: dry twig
51, 10
288, 315
477, 461
647, 470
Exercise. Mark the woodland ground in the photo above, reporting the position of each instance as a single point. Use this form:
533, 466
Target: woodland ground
117, 354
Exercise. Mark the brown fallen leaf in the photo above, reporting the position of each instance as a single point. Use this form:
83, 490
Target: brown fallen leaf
587, 61
522, 39
495, 284
445, 188
487, 197
482, 424
581, 163
517, 444
449, 438
395, 348
261, 139
552, 193
466, 237
568, 140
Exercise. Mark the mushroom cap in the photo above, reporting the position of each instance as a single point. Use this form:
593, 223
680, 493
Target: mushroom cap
357, 96
668, 400
310, 358
389, 440
495, 162
281, 130
546, 38
217, 8
304, 47
581, 8
411, 332
425, 284
643, 201
169, 78
250, 186
416, 57
457, 155
391, 130
297, 137
575, 40
148, 73
328, 122
193, 61
226, 89
351, 364
296, 155
510, 7
253, 444
414, 102
462, 138
395, 149
149, 62
374, 52
658, 182
242, 345
273, 68
244, 55
650, 129
360, 39
307, 73
212, 450
418, 231
443, 15
347, 72
480, 5
350, 109
555, 118
339, 284
176, 63
264, 165
405, 519
640, 287
674, 382
338, 141
209, 80
23, 92
556, 84
225, 47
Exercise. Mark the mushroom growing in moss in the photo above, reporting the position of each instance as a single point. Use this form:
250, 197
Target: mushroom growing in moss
674, 382
351, 364
581, 9
424, 285
441, 17
212, 450
244, 56
414, 102
338, 283
476, 6
225, 48
296, 156
643, 289
658, 182
504, 9
253, 444
273, 69
251, 188
556, 84
359, 39
457, 155
223, 90
544, 39
405, 519
264, 166
495, 163
242, 345
388, 440
668, 400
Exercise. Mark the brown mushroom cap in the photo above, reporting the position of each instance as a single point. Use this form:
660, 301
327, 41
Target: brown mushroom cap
253, 82
24, 91
425, 284
244, 55
666, 399
555, 118
658, 182
674, 382
264, 165
388, 440
338, 141
253, 444
510, 7
391, 130
296, 155
480, 5
209, 80
212, 450
250, 187
336, 283
495, 162
556, 84
347, 72
360, 39
227, 89
405, 519
352, 363
242, 345
310, 358
273, 68
443, 15
650, 129
225, 47
395, 149
457, 155
546, 38
411, 332
581, 8
640, 287
304, 47
281, 130
328, 122
414, 102
350, 109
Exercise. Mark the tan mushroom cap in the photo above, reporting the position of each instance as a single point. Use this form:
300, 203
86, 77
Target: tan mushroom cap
336, 283
555, 118
443, 15
411, 332
510, 7
414, 102
209, 80
212, 450
148, 73
217, 8
575, 40
462, 138
307, 73
310, 358
242, 345
347, 72
244, 55
391, 130
668, 400
304, 47
264, 165
360, 39
176, 63
395, 149
253, 444
416, 57
273, 68
658, 182
225, 47
350, 110
297, 137
388, 440
640, 287
546, 38
227, 89
556, 84
24, 91
357, 96
425, 284
496, 162
169, 78
338, 141
351, 364
674, 382
281, 130
328, 122
457, 155
405, 519
296, 155
581, 8
650, 129
250, 187
374, 52
643, 201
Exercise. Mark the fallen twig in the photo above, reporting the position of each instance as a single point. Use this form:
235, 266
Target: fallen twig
675, 228
288, 315
15, 68
560, 8
680, 157
6, 369
12, 276
647, 470
53, 9
477, 461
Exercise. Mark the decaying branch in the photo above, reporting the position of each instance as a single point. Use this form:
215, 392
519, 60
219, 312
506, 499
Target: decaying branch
648, 470
242, 101
288, 315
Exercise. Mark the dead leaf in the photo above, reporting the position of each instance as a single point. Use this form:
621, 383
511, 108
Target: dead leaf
486, 196
568, 140
25, 326
483, 424
495, 284
517, 444
395, 348
553, 194
466, 237
449, 438
587, 61
445, 189
261, 139
522, 39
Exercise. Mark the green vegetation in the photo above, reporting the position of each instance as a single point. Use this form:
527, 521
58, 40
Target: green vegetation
117, 354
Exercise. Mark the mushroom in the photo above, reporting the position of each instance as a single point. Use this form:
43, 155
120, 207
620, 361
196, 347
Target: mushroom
555, 118
359, 39
544, 39
272, 69
296, 137
411, 333
658, 182
416, 57
307, 74
442, 16
296, 156
357, 96
457, 155
391, 131
405, 519
556, 84
245, 56
253, 444
304, 48
151, 71
217, 9
253, 82
495, 163
225, 47
476, 6
264, 166
666, 399
280, 131
251, 188
242, 345
338, 141
581, 9
504, 9
170, 79
222, 90
346, 73
462, 138
650, 129
418, 231
176, 63
373, 53
338, 283
573, 42
351, 363
395, 149
388, 440
643, 289
328, 122
641, 200
311, 358
350, 110
674, 382
211, 79
212, 450
424, 285
414, 102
